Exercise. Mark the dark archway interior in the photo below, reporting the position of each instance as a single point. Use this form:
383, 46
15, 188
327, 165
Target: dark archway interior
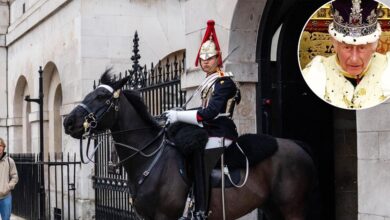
286, 106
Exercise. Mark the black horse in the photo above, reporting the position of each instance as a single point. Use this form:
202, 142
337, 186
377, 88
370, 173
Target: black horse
280, 184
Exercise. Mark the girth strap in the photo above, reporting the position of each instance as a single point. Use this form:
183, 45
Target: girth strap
146, 173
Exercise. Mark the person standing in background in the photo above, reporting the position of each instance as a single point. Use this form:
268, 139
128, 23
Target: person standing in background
8, 179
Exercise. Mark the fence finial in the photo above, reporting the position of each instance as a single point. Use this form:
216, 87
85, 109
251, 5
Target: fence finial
135, 57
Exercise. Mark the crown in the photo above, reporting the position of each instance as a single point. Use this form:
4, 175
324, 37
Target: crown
355, 22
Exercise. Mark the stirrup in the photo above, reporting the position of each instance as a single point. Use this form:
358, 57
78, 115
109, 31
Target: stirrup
200, 215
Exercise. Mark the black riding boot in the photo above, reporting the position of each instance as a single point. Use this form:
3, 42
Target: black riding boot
203, 165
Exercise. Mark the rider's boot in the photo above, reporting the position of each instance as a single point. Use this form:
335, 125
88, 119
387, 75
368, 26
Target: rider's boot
203, 167
199, 185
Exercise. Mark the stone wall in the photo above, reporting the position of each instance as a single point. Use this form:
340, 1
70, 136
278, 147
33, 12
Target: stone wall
107, 32
373, 126
74, 42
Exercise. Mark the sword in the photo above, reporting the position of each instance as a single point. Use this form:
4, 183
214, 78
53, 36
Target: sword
234, 49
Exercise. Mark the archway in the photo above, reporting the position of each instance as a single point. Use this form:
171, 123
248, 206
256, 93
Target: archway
288, 108
26, 123
242, 62
52, 87
20, 123
56, 120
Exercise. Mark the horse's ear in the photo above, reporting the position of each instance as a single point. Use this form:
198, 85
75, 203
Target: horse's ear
120, 83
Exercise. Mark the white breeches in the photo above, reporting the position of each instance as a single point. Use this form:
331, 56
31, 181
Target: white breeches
217, 142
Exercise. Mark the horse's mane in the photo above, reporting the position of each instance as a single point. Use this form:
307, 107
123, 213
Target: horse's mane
135, 99
107, 78
132, 96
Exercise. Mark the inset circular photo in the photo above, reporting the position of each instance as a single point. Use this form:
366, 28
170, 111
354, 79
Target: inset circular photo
344, 53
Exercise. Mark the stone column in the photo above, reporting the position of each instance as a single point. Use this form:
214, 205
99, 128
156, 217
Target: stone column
15, 128
4, 23
345, 164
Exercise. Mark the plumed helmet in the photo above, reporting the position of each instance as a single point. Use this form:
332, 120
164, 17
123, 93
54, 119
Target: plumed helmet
355, 21
207, 50
210, 46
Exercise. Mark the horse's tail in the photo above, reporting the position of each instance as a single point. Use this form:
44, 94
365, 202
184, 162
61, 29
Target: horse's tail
308, 149
314, 203
305, 147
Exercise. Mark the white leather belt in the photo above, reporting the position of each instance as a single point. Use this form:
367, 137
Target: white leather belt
217, 142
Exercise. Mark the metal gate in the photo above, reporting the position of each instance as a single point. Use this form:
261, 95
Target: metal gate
161, 90
60, 188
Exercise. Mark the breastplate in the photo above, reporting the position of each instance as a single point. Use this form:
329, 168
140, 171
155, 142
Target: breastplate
207, 93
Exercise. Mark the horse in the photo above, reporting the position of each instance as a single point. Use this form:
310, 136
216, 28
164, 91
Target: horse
280, 185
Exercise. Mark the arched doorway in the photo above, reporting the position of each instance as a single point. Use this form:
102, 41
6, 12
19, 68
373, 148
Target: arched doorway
27, 148
56, 120
287, 107
52, 87
20, 118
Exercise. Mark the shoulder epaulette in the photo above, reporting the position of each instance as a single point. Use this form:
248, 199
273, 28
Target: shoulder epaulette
224, 74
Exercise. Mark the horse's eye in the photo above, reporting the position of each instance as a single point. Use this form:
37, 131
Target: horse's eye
101, 96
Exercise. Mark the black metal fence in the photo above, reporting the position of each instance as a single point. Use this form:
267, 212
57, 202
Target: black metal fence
60, 188
25, 195
160, 89
112, 196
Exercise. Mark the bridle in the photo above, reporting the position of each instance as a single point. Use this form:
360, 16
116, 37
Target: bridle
95, 116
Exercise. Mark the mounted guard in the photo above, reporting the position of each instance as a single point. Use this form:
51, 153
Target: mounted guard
281, 170
219, 94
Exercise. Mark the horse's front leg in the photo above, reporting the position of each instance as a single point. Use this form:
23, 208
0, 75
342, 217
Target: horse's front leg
293, 213
171, 189
171, 206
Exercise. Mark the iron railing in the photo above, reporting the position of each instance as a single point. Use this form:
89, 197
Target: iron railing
60, 178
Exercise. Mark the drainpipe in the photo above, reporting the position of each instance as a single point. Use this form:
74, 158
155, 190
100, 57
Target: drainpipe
6, 93
6, 73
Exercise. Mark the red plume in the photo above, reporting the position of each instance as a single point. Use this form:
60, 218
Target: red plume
210, 31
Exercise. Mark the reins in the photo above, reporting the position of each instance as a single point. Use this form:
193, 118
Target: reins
158, 151
140, 151
137, 151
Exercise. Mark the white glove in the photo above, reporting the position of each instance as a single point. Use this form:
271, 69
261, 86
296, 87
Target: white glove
171, 116
188, 117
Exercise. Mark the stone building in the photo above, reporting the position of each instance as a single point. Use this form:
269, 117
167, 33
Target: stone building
75, 40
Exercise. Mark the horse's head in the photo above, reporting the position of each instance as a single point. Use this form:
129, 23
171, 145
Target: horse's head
97, 111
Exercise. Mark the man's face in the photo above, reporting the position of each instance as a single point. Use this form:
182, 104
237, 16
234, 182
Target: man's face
209, 65
2, 147
354, 58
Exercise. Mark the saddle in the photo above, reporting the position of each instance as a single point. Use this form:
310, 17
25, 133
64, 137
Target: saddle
256, 147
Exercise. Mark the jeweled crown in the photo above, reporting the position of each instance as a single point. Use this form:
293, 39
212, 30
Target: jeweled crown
355, 19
